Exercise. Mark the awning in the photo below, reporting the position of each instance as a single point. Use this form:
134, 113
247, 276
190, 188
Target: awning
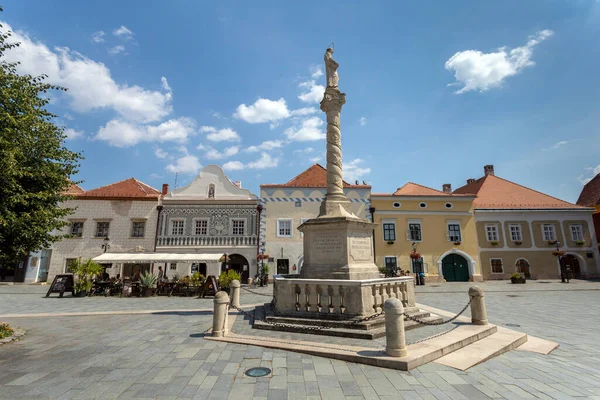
132, 258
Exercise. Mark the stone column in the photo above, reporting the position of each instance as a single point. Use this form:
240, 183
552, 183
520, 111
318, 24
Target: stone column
478, 312
220, 314
235, 292
395, 340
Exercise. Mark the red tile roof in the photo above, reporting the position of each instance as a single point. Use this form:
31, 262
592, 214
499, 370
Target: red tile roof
498, 193
313, 177
128, 188
414, 189
590, 194
74, 190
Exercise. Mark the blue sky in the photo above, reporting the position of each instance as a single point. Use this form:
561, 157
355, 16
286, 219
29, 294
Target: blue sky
435, 90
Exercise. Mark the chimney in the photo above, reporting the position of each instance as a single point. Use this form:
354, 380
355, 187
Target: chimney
447, 188
488, 170
471, 180
165, 188
238, 184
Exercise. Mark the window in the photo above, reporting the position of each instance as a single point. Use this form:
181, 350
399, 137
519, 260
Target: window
389, 231
576, 233
454, 232
515, 233
201, 227
391, 263
491, 232
237, 227
68, 263
418, 266
414, 231
548, 232
298, 203
137, 229
102, 229
396, 205
173, 266
423, 205
77, 229
497, 267
449, 205
177, 227
284, 228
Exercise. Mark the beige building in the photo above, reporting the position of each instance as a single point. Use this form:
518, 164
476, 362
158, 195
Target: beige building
287, 205
518, 229
125, 212
439, 225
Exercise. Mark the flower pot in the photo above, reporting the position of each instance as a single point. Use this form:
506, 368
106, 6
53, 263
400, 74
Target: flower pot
146, 292
81, 293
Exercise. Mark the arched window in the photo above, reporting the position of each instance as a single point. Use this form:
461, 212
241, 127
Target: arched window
211, 191
523, 267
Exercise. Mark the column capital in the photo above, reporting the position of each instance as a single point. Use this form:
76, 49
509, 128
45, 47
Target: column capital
333, 100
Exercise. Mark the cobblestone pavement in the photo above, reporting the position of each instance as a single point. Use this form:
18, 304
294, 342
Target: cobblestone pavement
163, 355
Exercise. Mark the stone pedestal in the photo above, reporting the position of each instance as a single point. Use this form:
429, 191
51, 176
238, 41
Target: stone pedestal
338, 248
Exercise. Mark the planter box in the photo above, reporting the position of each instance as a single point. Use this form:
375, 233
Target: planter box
518, 280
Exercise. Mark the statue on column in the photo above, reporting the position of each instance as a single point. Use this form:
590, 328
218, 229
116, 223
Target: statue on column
331, 67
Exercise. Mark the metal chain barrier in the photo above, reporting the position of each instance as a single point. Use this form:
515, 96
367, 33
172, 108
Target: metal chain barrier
365, 319
438, 322
433, 337
279, 324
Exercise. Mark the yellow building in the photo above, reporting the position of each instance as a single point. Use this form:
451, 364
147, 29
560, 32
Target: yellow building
519, 228
438, 223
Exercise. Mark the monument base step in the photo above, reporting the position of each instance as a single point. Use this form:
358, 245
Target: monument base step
371, 329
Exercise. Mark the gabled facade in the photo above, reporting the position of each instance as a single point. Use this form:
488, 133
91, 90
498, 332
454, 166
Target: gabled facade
125, 212
517, 230
287, 205
590, 197
438, 224
211, 215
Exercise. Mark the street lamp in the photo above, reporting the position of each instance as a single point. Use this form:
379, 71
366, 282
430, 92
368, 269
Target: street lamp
262, 264
105, 244
564, 274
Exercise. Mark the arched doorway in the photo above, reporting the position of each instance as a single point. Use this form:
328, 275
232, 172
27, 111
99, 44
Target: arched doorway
572, 262
523, 267
455, 268
240, 264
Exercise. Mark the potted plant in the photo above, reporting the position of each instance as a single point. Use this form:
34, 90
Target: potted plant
517, 278
415, 255
551, 242
559, 253
390, 242
147, 282
5, 330
85, 271
226, 277
264, 271
518, 242
457, 243
494, 243
580, 242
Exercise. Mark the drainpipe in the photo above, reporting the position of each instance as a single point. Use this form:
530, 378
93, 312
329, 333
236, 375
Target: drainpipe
159, 208
259, 209
372, 211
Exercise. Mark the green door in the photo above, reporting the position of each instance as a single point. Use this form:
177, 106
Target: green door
455, 268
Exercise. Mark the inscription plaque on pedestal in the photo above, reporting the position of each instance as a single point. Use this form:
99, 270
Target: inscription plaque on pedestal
361, 248
327, 247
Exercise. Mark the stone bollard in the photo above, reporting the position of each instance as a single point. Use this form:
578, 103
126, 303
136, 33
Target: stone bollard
478, 313
220, 314
235, 287
395, 340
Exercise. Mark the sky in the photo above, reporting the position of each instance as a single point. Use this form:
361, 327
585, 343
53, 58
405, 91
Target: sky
435, 90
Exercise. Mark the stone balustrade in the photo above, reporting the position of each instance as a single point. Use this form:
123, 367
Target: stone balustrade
207, 241
339, 299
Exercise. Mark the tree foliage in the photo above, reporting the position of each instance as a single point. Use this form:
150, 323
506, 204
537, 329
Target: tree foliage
35, 165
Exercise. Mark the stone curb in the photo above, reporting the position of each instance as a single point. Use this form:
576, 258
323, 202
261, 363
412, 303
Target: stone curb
130, 312
19, 333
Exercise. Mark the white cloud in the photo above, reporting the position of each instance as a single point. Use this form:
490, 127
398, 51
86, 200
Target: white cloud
123, 32
187, 164
263, 110
265, 161
233, 166
556, 145
306, 150
160, 153
266, 145
73, 134
98, 37
316, 72
584, 180
116, 50
214, 154
363, 121
308, 131
90, 84
68, 116
301, 112
315, 159
312, 93
121, 133
221, 135
353, 171
476, 70
165, 85
154, 175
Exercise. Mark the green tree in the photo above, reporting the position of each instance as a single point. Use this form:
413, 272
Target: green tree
35, 165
